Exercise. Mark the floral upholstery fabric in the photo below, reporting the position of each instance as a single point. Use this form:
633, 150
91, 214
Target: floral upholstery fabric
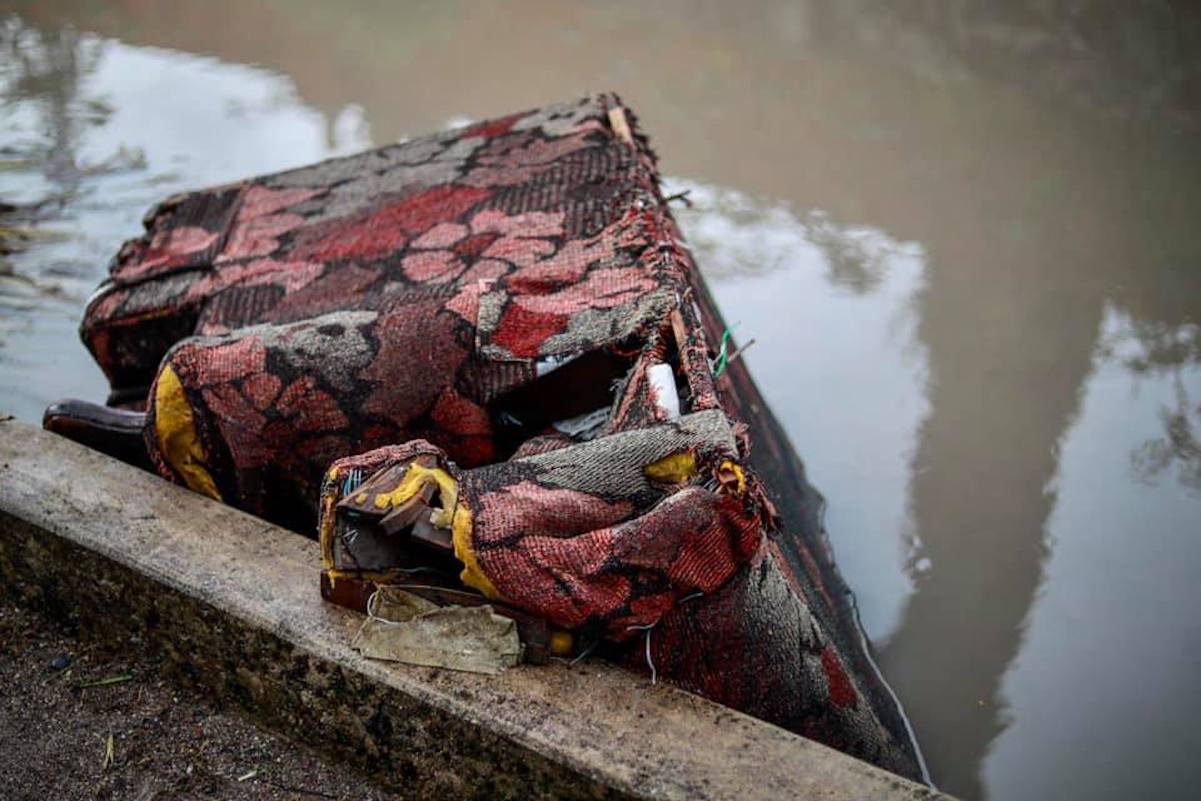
496, 306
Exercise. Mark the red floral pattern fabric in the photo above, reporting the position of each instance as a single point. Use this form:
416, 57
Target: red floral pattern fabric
500, 300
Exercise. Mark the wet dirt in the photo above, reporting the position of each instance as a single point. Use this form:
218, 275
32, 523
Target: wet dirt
63, 699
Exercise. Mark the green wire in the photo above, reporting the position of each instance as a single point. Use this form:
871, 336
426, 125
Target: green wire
720, 366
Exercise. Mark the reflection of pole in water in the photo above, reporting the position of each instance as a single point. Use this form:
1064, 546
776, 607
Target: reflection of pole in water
1001, 396
1010, 317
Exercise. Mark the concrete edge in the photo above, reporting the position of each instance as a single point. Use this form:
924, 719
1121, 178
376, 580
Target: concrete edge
231, 602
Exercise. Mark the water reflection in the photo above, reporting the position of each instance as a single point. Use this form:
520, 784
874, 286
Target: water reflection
1002, 356
985, 345
1111, 645
744, 236
1151, 349
94, 132
1179, 447
784, 281
44, 69
1012, 315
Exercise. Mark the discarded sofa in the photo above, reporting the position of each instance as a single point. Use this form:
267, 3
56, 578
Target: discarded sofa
482, 366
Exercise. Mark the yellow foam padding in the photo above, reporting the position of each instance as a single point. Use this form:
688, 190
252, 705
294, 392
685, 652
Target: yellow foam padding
738, 473
674, 469
417, 478
175, 431
327, 525
376, 576
472, 575
561, 642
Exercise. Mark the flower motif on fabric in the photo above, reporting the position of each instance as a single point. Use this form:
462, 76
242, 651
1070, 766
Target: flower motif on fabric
261, 220
488, 245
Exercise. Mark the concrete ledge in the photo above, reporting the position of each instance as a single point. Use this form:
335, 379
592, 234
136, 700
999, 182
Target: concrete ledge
232, 603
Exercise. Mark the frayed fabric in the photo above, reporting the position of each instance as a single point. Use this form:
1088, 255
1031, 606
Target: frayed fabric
483, 354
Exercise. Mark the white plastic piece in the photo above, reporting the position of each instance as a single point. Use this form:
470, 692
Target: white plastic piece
584, 426
548, 364
663, 390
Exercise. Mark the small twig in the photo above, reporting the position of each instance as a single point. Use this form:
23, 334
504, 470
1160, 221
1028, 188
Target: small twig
738, 351
575, 660
680, 196
249, 775
620, 125
118, 679
585, 652
59, 675
110, 752
300, 790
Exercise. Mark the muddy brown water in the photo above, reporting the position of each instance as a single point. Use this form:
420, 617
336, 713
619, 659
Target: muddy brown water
965, 242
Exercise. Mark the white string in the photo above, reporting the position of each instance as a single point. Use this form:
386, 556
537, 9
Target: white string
649, 662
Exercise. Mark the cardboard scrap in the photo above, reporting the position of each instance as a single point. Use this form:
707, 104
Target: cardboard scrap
402, 627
